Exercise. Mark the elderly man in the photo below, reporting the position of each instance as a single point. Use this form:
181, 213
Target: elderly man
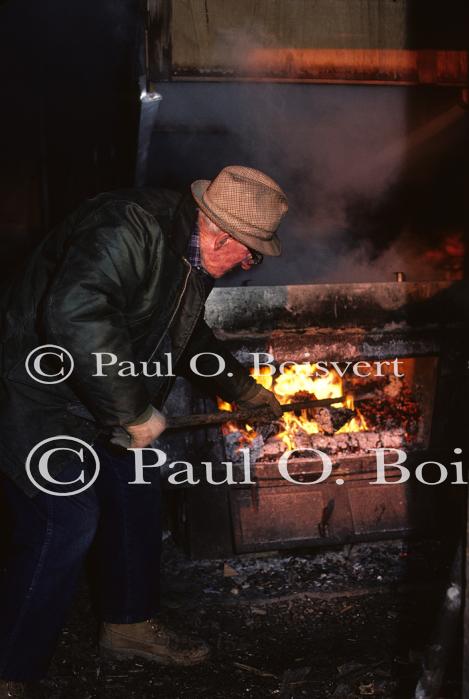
128, 273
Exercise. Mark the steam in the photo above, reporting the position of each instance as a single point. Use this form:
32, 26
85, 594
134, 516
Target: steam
368, 192
362, 264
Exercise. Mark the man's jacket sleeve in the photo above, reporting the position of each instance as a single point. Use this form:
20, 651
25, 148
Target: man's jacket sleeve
231, 383
84, 310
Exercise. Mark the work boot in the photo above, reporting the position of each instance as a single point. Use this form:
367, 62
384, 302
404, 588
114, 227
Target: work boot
151, 640
15, 690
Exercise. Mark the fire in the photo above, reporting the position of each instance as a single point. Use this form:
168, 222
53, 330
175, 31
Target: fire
300, 382
357, 423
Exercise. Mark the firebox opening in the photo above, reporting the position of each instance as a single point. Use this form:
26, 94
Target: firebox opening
388, 408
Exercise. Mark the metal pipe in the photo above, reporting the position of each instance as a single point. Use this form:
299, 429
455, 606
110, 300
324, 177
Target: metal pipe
149, 104
261, 415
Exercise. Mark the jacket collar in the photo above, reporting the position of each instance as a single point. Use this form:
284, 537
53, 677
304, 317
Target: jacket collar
176, 214
184, 220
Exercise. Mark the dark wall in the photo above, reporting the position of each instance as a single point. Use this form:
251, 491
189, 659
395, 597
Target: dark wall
68, 119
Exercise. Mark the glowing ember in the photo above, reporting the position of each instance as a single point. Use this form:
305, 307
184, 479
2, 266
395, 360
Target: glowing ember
299, 382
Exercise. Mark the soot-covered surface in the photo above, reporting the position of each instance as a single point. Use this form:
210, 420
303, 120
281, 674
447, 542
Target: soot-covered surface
343, 624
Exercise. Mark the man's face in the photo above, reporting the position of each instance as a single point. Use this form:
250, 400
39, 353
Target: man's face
219, 251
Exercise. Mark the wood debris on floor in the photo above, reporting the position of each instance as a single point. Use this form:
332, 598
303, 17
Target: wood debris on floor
344, 624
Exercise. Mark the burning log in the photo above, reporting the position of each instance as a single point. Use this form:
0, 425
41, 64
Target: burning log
261, 415
330, 420
401, 409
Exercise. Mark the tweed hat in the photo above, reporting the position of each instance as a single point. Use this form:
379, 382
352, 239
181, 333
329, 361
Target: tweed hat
246, 204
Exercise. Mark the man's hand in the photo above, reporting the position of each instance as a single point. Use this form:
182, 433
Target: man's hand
135, 436
259, 397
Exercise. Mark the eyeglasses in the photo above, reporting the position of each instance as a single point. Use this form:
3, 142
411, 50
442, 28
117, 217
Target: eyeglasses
254, 258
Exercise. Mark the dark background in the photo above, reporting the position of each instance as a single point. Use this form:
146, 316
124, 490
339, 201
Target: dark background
69, 104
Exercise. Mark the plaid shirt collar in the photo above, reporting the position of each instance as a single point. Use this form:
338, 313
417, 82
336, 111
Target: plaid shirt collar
194, 257
193, 250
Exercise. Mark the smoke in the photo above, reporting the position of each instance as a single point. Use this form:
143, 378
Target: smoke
405, 255
373, 174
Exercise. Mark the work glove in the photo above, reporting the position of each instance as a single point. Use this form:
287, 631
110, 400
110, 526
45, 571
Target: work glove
141, 433
257, 396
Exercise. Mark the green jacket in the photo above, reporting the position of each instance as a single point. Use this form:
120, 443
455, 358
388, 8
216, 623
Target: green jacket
112, 278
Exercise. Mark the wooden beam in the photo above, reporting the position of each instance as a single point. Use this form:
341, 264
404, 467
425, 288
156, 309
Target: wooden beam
340, 65
159, 39
328, 41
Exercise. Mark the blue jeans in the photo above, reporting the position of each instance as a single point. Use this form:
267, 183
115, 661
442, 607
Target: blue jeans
47, 540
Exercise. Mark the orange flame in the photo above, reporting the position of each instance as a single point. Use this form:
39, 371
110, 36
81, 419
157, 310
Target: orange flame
299, 382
